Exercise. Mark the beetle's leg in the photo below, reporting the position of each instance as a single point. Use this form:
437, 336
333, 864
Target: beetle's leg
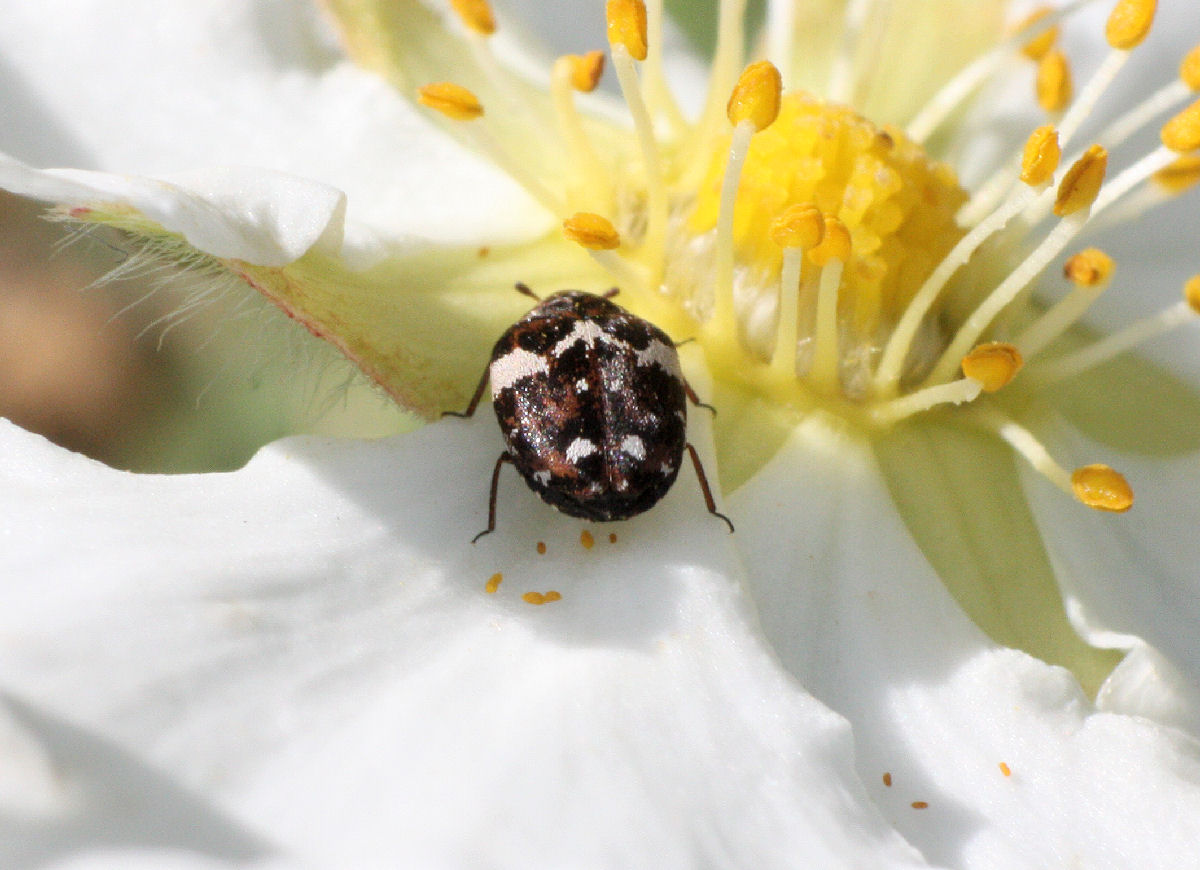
474, 399
525, 290
505, 457
704, 487
691, 394
611, 292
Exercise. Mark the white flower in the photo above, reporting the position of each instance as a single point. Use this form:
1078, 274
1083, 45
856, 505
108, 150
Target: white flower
299, 661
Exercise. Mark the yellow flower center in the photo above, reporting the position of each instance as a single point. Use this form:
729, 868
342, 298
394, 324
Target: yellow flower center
897, 205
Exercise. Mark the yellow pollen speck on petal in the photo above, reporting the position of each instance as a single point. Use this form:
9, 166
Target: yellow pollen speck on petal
586, 539
627, 26
1037, 47
993, 365
586, 70
1091, 267
493, 583
533, 598
1189, 69
476, 14
552, 595
541, 548
887, 779
1182, 133
1042, 154
453, 101
756, 95
920, 805
799, 226
1005, 769
1081, 184
1180, 175
1191, 293
592, 231
1054, 85
1102, 488
834, 246
1129, 22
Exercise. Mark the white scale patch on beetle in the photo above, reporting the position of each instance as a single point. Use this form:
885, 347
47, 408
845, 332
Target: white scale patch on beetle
579, 448
634, 446
660, 354
514, 367
587, 331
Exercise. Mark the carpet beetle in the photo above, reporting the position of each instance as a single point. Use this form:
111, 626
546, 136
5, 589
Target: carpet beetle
593, 407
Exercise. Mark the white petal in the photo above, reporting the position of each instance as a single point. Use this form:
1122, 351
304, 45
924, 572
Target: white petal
858, 616
161, 88
160, 859
308, 641
263, 217
75, 796
1130, 579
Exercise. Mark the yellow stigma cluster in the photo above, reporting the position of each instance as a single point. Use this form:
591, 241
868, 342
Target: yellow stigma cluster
897, 205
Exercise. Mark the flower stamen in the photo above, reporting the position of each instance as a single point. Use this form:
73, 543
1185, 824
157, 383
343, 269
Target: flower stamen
993, 365
1096, 486
726, 62
1117, 343
955, 92
831, 256
627, 36
799, 229
753, 106
1039, 162
596, 234
571, 74
476, 15
1054, 82
1089, 271
1102, 488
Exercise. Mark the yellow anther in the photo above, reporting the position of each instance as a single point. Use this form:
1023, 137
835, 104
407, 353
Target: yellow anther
1037, 47
1189, 69
834, 246
1099, 487
1091, 267
586, 70
627, 26
453, 101
592, 231
1054, 87
493, 583
1042, 153
1180, 175
1129, 22
993, 365
755, 97
1191, 292
799, 226
476, 14
1182, 133
1082, 182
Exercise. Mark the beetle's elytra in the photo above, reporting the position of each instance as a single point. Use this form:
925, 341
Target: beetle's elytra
593, 407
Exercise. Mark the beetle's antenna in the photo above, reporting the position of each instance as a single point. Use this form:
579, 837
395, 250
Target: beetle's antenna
525, 290
609, 294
